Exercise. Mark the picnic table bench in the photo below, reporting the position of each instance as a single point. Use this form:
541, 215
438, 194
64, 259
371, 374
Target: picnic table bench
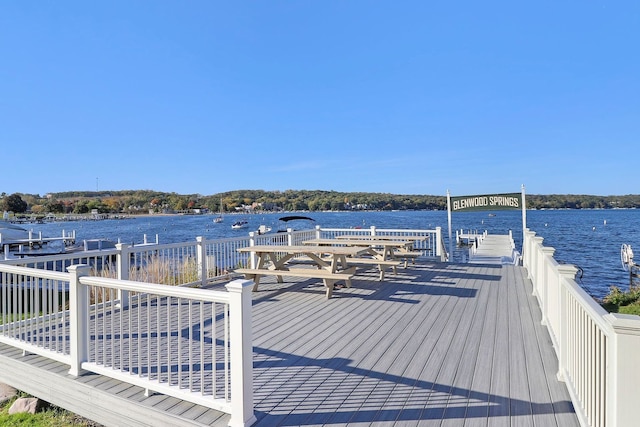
329, 279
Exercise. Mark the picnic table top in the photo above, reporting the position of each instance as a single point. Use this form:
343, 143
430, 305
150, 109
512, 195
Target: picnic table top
318, 249
362, 242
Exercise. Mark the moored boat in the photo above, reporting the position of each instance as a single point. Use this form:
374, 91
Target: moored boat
263, 229
240, 224
219, 218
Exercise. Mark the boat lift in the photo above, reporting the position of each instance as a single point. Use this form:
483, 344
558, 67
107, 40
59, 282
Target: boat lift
626, 258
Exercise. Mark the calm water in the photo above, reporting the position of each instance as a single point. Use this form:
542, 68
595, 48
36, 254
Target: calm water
589, 239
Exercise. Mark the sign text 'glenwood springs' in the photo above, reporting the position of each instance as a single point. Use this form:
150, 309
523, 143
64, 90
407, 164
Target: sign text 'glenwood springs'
486, 202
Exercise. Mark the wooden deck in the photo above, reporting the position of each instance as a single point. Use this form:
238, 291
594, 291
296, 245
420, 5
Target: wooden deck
435, 345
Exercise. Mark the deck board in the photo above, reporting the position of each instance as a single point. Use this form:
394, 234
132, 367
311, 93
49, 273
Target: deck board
456, 407
434, 345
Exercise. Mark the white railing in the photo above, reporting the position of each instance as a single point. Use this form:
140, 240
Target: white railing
597, 351
193, 344
32, 311
476, 239
202, 261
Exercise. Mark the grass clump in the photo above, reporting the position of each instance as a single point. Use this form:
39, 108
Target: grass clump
619, 301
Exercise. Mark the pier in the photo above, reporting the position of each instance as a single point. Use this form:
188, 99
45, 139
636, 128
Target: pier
449, 344
497, 341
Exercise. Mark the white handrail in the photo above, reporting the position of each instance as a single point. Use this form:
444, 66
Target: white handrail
597, 351
82, 321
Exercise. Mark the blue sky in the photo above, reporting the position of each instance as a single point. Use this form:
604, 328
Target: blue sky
408, 97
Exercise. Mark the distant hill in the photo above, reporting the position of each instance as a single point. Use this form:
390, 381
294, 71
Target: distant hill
143, 201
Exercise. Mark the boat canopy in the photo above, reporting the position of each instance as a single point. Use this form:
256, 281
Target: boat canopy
294, 217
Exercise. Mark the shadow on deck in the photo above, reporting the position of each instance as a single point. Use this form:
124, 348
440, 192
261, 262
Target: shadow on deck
436, 344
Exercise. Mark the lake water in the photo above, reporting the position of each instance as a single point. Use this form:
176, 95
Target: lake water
589, 239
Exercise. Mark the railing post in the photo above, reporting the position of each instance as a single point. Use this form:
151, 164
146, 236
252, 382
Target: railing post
526, 256
201, 260
253, 259
123, 260
318, 233
535, 256
373, 230
565, 272
437, 245
540, 260
541, 289
623, 374
78, 318
290, 236
241, 353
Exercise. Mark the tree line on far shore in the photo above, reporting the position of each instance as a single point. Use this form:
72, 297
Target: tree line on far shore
144, 201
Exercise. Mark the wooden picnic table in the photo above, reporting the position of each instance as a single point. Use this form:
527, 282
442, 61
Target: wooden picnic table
330, 262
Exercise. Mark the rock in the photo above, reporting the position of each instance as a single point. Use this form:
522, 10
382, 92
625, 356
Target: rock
30, 405
7, 392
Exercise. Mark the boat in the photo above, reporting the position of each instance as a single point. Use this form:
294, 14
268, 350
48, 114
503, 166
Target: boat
219, 218
296, 219
263, 229
240, 224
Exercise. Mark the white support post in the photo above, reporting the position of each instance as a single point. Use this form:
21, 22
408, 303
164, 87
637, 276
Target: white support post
541, 289
540, 261
565, 272
524, 217
449, 225
253, 259
123, 260
622, 373
201, 260
525, 248
78, 318
437, 246
318, 232
536, 243
241, 352
373, 230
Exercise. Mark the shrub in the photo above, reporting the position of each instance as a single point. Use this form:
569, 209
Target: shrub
618, 301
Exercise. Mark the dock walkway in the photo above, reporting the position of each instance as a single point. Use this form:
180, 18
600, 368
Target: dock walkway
438, 344
494, 249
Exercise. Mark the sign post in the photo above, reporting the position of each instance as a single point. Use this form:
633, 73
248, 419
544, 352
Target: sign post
449, 219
